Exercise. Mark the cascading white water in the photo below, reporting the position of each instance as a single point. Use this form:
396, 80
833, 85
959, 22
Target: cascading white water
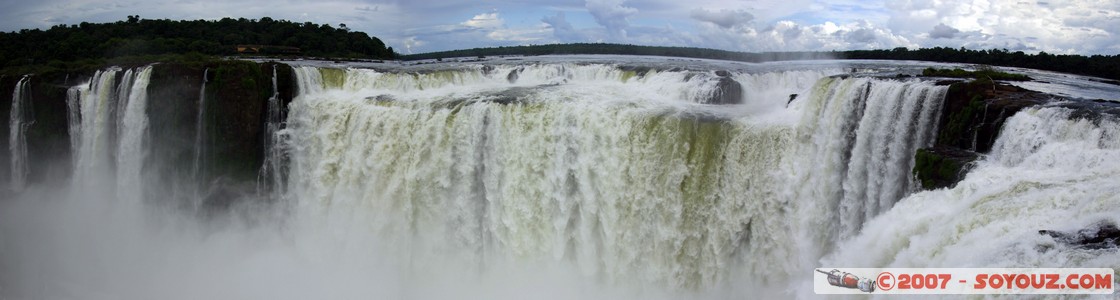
568, 181
17, 134
611, 173
273, 174
200, 131
107, 107
899, 118
857, 138
133, 148
97, 101
1047, 170
124, 88
74, 121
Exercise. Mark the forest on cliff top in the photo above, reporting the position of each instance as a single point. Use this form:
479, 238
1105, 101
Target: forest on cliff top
80, 46
88, 46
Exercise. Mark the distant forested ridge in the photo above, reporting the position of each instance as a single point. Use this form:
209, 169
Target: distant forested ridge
141, 37
1104, 66
620, 49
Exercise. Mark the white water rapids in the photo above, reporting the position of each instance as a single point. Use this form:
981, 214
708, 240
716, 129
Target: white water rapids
570, 181
17, 134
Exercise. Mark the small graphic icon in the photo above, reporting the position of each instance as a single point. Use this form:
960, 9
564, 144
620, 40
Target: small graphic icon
849, 280
885, 281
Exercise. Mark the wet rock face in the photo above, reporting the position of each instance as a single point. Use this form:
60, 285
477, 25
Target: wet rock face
7, 86
974, 112
728, 91
1094, 110
513, 75
237, 94
971, 119
941, 166
173, 105
639, 71
240, 92
1102, 235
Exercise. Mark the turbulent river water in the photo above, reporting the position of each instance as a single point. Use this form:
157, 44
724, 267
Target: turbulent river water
556, 179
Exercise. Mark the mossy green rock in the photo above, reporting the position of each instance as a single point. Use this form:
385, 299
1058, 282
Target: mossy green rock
974, 112
942, 167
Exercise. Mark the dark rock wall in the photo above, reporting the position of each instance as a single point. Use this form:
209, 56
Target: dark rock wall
48, 137
7, 86
941, 166
972, 117
974, 112
237, 96
173, 93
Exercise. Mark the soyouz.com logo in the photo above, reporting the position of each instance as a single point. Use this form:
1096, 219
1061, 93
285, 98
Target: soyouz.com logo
964, 281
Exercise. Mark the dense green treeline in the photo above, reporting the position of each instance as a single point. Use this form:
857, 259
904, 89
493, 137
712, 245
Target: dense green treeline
619, 49
988, 73
1103, 66
1096, 65
137, 37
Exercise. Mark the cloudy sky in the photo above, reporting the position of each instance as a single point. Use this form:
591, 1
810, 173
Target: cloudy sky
415, 26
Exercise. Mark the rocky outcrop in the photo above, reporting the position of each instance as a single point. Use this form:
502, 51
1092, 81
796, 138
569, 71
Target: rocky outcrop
513, 75
972, 115
942, 167
974, 112
728, 91
1101, 235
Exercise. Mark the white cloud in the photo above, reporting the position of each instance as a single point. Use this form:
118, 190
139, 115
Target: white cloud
942, 31
520, 36
1071, 26
1074, 26
791, 36
412, 42
484, 21
725, 18
612, 15
561, 28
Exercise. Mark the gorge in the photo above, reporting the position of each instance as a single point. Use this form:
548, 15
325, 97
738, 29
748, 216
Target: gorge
565, 177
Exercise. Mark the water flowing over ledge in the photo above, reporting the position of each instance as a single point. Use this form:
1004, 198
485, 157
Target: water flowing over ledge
17, 136
618, 187
575, 180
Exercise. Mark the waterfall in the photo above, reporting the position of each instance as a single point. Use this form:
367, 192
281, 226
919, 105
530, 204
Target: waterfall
608, 180
107, 107
565, 172
899, 118
74, 121
859, 136
274, 170
133, 148
197, 170
96, 100
18, 122
1049, 169
124, 89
